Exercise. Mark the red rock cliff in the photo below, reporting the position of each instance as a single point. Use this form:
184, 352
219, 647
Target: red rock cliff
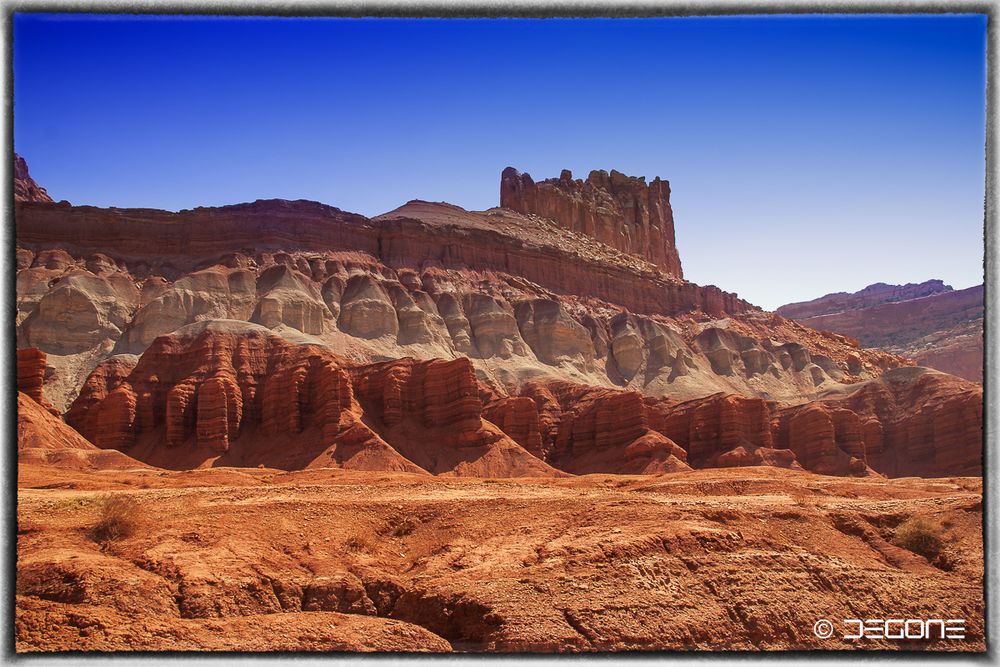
407, 238
621, 211
913, 421
232, 392
223, 392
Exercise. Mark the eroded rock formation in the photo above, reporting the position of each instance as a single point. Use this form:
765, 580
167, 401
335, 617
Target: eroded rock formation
618, 210
234, 393
915, 421
590, 430
518, 344
44, 439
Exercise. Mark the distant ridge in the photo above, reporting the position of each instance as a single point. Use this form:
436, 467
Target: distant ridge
930, 322
873, 295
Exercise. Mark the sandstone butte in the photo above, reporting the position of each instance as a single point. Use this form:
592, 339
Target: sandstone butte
366, 385
618, 210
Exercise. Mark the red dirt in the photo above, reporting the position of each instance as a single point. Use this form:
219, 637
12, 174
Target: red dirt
726, 559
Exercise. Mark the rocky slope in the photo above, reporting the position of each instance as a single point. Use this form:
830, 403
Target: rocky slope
707, 560
930, 323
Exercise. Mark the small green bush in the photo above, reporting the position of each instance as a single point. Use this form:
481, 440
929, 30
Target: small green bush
119, 518
921, 537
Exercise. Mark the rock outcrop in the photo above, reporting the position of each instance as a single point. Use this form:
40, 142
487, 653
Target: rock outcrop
930, 323
517, 416
234, 393
911, 422
916, 421
621, 211
223, 392
25, 188
591, 430
722, 431
432, 413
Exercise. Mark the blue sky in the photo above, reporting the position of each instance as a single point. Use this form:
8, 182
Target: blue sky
806, 155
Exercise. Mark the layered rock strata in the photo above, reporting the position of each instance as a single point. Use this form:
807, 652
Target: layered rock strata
82, 308
915, 421
621, 211
31, 369
400, 239
231, 393
31, 372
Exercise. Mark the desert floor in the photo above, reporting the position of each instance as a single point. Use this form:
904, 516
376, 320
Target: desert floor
330, 560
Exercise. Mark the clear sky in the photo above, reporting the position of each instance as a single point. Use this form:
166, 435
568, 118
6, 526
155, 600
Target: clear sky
806, 155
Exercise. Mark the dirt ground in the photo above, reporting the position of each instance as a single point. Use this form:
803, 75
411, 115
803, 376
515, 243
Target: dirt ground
332, 560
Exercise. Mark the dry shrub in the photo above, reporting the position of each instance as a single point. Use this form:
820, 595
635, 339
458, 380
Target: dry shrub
400, 526
801, 497
119, 518
358, 544
921, 537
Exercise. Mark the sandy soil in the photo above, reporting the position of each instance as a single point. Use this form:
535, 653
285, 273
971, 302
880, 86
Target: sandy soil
261, 560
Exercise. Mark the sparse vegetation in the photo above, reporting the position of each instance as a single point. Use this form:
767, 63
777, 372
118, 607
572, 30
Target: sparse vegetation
403, 526
920, 536
119, 518
358, 544
801, 497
